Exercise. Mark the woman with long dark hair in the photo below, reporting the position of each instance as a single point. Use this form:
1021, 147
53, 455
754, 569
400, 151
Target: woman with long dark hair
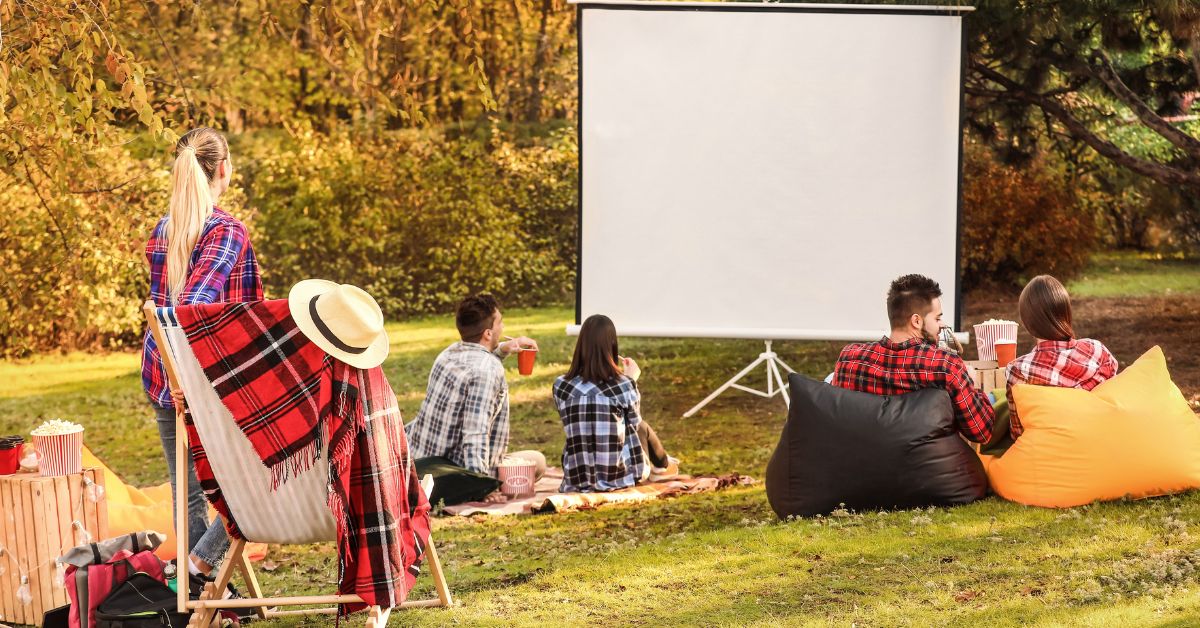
609, 446
1059, 358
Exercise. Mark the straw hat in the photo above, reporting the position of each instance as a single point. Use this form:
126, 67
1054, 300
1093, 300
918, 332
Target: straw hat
342, 319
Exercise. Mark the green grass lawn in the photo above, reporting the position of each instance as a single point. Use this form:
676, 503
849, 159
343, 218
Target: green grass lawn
710, 559
1126, 274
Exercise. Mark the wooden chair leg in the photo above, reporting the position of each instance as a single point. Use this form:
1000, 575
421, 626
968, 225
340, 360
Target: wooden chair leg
253, 589
203, 617
233, 557
439, 578
377, 617
216, 590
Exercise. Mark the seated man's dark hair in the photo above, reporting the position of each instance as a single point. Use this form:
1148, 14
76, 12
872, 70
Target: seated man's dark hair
475, 315
910, 294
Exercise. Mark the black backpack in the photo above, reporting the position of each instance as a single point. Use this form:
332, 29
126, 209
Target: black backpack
140, 602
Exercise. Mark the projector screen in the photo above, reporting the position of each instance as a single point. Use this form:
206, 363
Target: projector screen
765, 171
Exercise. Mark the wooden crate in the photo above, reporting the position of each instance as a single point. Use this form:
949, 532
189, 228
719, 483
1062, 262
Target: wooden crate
986, 374
37, 518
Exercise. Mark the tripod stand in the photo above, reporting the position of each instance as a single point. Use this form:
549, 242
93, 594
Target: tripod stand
775, 382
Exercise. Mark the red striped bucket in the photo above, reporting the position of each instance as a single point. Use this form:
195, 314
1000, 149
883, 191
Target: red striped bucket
60, 454
986, 335
517, 478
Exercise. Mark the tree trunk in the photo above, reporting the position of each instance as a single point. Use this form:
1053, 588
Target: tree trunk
533, 112
304, 41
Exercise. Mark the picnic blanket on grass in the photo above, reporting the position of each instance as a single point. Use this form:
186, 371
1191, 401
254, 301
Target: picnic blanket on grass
547, 499
285, 394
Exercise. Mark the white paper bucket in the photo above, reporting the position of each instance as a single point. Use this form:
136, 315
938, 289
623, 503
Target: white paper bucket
59, 454
986, 335
517, 478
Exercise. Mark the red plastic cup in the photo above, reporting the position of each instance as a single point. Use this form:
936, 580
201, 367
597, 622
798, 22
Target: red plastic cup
1006, 351
525, 360
10, 460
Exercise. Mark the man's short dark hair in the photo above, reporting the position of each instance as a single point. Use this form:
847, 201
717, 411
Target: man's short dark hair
475, 315
910, 294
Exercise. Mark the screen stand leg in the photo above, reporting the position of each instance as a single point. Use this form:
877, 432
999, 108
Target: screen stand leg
775, 380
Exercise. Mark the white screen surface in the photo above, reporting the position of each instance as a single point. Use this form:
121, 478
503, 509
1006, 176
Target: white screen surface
766, 172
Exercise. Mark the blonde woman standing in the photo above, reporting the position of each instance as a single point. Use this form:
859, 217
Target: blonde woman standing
197, 254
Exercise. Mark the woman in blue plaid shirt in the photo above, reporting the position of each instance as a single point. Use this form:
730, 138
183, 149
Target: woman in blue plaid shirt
609, 446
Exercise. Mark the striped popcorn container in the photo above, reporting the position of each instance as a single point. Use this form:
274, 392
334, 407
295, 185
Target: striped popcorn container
60, 454
986, 335
516, 477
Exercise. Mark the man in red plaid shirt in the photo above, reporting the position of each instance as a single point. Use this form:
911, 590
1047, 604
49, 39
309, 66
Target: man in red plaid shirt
909, 359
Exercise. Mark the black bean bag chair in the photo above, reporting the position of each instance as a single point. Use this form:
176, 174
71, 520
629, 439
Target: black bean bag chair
869, 452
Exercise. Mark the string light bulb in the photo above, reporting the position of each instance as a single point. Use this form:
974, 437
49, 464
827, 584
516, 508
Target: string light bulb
94, 491
24, 596
60, 576
78, 525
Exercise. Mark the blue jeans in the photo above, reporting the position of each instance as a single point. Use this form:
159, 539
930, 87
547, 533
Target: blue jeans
208, 542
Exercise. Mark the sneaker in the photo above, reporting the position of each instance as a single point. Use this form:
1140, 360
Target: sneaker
196, 583
669, 471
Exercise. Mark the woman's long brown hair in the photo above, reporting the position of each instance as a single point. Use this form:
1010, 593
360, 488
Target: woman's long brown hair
1045, 309
595, 358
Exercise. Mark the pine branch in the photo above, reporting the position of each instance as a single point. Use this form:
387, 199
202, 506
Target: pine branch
1162, 173
1102, 69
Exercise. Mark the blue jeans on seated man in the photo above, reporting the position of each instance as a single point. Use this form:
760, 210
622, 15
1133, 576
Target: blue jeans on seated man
208, 541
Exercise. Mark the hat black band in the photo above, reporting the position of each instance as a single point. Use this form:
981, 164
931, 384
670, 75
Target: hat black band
325, 331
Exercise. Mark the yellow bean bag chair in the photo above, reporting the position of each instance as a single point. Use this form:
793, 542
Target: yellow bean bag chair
132, 509
1134, 435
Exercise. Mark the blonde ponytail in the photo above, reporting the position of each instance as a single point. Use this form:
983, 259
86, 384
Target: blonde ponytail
198, 154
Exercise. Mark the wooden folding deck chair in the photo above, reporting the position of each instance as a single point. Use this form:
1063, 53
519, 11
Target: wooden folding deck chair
294, 513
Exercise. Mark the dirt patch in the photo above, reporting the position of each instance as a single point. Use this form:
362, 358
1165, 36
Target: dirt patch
1128, 326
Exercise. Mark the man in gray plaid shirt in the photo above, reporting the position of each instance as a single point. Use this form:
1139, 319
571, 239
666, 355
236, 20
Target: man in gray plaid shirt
465, 413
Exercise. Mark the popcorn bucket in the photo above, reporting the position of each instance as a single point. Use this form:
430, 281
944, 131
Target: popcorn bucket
986, 335
60, 454
516, 477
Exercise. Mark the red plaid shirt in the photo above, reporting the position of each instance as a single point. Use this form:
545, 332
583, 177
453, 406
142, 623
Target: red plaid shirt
223, 269
887, 368
1083, 363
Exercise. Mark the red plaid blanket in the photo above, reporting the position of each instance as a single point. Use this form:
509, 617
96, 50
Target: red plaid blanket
285, 393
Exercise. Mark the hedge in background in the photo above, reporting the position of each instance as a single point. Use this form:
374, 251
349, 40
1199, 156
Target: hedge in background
1018, 223
414, 217
73, 271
